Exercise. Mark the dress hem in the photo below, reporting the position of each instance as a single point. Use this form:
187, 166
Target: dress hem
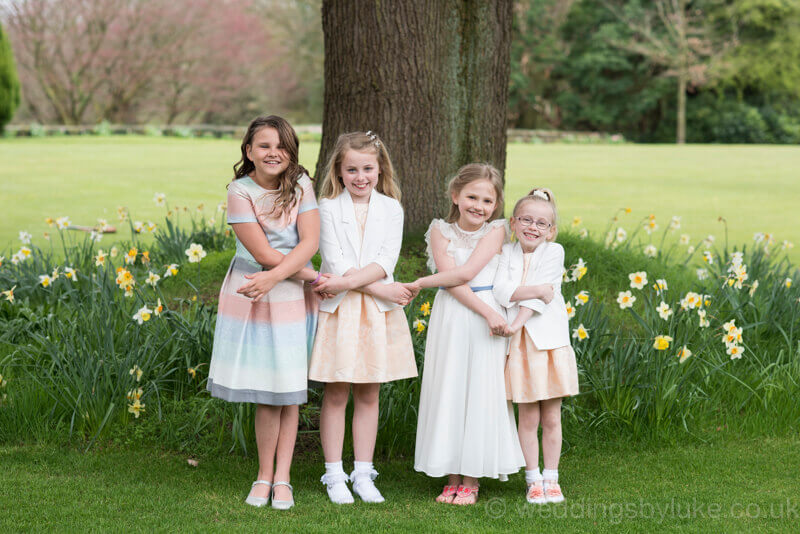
257, 397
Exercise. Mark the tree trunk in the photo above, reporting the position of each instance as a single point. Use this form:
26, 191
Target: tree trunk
681, 127
431, 78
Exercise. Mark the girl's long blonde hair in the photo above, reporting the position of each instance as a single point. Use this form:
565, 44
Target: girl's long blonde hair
332, 185
538, 194
470, 173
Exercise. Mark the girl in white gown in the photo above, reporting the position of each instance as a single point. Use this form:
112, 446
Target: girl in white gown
466, 427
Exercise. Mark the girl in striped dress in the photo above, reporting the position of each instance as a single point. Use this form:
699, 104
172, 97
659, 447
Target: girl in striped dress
267, 312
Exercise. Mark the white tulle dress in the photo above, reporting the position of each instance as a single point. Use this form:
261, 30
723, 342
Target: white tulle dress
466, 426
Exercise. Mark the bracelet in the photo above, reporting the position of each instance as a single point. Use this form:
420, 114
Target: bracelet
319, 275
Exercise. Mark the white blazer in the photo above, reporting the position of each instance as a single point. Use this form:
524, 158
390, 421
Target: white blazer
549, 326
341, 246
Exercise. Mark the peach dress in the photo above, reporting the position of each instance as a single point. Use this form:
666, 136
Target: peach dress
358, 343
532, 374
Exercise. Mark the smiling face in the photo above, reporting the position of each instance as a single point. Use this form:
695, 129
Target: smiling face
359, 172
532, 223
476, 203
268, 156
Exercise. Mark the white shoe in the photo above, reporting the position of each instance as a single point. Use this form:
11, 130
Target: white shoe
552, 492
259, 501
282, 505
336, 485
364, 487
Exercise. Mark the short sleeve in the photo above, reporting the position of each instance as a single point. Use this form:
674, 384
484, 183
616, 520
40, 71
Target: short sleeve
440, 225
499, 222
240, 205
307, 201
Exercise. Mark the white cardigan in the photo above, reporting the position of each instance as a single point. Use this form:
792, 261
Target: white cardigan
341, 246
549, 325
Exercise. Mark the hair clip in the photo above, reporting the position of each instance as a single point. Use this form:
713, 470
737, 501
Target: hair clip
541, 194
374, 138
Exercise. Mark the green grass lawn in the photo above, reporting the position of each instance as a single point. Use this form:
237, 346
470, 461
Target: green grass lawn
734, 486
754, 187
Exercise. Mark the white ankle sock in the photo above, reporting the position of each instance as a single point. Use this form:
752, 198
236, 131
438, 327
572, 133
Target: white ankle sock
336, 481
550, 475
363, 485
533, 476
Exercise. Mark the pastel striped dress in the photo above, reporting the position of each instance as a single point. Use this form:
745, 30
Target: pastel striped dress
261, 349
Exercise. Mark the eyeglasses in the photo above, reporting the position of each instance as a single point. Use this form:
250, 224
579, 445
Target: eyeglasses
540, 224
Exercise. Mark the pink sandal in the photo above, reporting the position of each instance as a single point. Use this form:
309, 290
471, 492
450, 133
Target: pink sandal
552, 492
447, 495
466, 496
535, 493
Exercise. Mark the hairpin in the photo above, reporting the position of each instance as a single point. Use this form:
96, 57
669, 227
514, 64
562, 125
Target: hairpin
541, 194
374, 138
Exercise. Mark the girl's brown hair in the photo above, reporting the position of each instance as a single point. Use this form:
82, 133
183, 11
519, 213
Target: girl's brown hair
287, 181
470, 173
538, 194
332, 184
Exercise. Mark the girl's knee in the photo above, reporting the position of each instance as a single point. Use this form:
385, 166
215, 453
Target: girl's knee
551, 420
337, 394
366, 393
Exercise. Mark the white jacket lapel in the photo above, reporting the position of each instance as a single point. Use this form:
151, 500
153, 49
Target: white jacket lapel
350, 222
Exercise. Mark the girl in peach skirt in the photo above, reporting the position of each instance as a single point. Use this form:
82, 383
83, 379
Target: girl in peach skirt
540, 368
362, 337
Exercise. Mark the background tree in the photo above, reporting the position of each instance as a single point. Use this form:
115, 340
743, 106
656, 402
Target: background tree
431, 78
9, 82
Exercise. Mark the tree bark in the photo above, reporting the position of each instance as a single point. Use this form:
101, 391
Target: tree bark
430, 78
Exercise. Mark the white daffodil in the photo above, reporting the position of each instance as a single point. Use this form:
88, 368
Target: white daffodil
172, 270
580, 333
684, 240
195, 253
664, 311
160, 199
625, 299
142, 315
638, 279
25, 237
152, 278
650, 251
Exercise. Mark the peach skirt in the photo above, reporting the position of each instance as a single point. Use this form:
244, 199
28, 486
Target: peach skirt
533, 375
359, 344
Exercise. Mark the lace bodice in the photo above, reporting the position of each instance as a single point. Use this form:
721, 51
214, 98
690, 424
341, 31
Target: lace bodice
459, 239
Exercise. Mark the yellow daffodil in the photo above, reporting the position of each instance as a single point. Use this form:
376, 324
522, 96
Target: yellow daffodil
136, 408
195, 253
580, 333
579, 270
45, 280
152, 279
50, 221
664, 311
160, 199
159, 309
130, 256
787, 283
172, 270
662, 342
419, 325
627, 210
708, 257
25, 251
136, 372
625, 299
70, 274
192, 371
660, 286
100, 259
684, 240
683, 354
138, 226
425, 309
576, 221
9, 294
735, 351
638, 279
134, 394
570, 310
675, 222
581, 298
151, 226
145, 257
62, 223
143, 315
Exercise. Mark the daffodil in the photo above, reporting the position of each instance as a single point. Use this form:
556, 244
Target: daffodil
576, 221
684, 239
662, 342
122, 213
419, 325
625, 299
62, 223
702, 274
102, 224
143, 315
627, 210
708, 241
753, 288
159, 309
152, 278
200, 207
708, 257
584, 233
787, 283
736, 259
580, 333
136, 372
758, 237
3, 382
45, 280
675, 222
56, 274
691, 301
70, 274
735, 351
660, 286
683, 354
425, 308
125, 279
621, 235
172, 270
130, 256
570, 310
136, 408
24, 252
195, 253
730, 326
138, 226
25, 237
50, 221
664, 311
581, 298
690, 250
192, 372
159, 199
146, 257
638, 279
651, 226
113, 252
732, 337
650, 251
151, 226
100, 258
704, 322
222, 206
787, 245
9, 294
212, 221
96, 236
134, 394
